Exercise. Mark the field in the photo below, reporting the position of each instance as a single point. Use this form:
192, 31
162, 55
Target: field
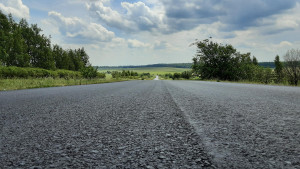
151, 70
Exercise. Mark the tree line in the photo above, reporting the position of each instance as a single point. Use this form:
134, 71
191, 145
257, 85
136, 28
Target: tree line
22, 45
224, 62
129, 74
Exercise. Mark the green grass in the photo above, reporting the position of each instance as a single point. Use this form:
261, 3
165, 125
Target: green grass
241, 82
151, 70
28, 83
20, 83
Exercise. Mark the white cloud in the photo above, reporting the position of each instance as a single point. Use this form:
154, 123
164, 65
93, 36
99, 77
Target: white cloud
160, 45
15, 7
138, 16
133, 43
108, 16
285, 43
80, 31
143, 17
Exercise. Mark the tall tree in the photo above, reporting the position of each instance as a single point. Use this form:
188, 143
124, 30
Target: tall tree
278, 69
84, 57
5, 30
292, 65
17, 53
58, 54
254, 61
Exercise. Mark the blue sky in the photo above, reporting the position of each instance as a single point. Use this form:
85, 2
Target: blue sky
138, 32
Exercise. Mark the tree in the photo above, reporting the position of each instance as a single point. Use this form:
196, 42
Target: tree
17, 53
23, 45
278, 69
254, 61
84, 57
216, 60
5, 29
58, 55
292, 65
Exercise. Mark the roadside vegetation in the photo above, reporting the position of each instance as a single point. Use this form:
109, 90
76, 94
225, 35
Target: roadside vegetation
220, 62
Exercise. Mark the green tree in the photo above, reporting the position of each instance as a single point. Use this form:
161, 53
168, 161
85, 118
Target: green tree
216, 60
58, 55
23, 45
39, 48
17, 53
292, 65
5, 29
84, 57
278, 69
254, 61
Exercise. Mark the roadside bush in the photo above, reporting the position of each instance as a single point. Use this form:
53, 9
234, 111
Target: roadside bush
168, 75
19, 72
176, 76
145, 76
115, 74
11, 72
186, 74
89, 72
101, 75
67, 74
126, 74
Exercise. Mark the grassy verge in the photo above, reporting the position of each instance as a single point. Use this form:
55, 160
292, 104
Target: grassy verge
20, 83
241, 82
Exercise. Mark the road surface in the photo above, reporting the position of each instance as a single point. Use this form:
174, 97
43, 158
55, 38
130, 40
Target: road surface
151, 124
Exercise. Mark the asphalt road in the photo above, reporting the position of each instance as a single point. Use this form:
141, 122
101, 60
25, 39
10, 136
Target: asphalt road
151, 124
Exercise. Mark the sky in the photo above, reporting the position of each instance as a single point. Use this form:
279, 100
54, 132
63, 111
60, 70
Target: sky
140, 32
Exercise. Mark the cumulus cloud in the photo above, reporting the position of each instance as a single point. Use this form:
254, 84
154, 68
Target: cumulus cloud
133, 43
143, 16
108, 16
80, 31
15, 7
138, 16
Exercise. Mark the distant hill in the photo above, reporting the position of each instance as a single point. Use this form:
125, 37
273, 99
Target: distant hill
174, 65
267, 64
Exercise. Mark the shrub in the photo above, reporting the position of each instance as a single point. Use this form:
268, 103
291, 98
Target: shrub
176, 76
186, 74
89, 72
101, 75
19, 72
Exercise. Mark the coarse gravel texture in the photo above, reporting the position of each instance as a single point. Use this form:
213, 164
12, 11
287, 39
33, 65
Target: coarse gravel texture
243, 125
151, 124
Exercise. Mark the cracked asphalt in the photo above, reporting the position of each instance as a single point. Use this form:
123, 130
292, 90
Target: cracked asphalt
151, 124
